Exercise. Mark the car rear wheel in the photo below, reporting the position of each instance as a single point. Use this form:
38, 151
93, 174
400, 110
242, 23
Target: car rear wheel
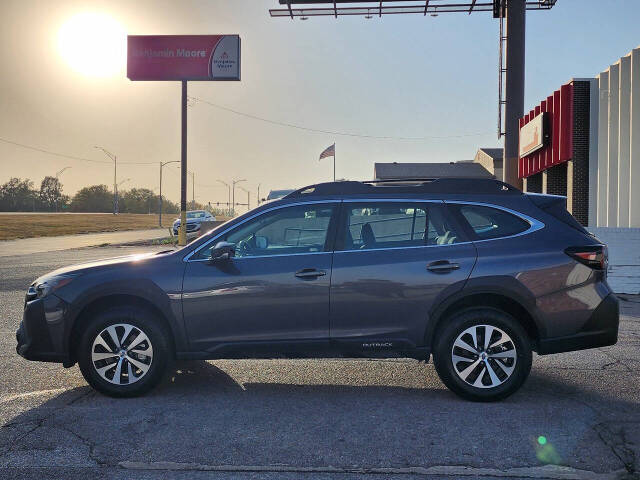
482, 354
123, 351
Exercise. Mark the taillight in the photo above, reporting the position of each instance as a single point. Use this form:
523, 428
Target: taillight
593, 256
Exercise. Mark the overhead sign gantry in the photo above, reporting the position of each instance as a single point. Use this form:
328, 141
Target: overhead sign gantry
513, 34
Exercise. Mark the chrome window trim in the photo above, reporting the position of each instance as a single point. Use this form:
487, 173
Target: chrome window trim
401, 248
295, 204
534, 225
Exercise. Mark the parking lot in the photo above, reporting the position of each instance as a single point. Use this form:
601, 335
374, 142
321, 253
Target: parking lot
304, 419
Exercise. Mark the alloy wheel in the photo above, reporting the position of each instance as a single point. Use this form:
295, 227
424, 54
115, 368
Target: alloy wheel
121, 354
484, 356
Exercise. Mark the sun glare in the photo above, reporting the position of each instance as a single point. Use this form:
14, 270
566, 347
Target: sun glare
93, 44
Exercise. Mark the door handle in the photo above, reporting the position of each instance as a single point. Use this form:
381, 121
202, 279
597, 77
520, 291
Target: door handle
310, 273
442, 266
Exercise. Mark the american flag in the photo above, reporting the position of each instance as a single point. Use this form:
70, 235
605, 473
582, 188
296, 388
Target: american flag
328, 152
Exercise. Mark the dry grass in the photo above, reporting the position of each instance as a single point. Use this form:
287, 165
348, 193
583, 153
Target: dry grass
49, 225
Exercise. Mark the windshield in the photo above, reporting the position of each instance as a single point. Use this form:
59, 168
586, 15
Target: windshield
198, 214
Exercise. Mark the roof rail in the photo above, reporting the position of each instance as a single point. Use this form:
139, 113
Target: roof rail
408, 185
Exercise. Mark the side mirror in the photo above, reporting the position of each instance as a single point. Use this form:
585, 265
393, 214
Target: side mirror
223, 251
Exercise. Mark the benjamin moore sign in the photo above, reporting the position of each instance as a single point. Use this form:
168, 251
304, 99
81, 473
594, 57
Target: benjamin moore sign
183, 57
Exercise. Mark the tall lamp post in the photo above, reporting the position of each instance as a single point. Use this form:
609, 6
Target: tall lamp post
193, 190
162, 164
233, 190
248, 197
58, 173
229, 198
115, 171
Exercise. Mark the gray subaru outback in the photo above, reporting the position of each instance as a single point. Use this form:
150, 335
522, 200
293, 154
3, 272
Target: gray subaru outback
472, 272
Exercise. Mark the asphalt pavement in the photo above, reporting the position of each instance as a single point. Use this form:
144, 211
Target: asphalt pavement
576, 417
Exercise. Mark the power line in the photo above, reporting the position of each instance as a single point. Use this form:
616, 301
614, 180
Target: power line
331, 132
71, 157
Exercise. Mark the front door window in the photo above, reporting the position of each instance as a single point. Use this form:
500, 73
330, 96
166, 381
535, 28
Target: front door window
286, 231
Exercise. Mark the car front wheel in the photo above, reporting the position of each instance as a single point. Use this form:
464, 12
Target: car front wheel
482, 354
123, 351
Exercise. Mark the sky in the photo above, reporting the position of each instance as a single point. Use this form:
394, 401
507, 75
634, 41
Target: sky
395, 76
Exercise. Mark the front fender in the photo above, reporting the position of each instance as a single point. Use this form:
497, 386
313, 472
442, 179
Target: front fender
169, 305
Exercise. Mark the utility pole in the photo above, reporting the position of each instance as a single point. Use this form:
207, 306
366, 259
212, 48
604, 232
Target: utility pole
58, 173
160, 200
115, 176
258, 199
514, 88
233, 195
229, 198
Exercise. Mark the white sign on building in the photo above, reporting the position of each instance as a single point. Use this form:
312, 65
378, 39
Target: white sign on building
532, 135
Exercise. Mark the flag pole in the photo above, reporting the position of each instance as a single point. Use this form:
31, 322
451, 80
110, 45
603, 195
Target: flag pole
334, 161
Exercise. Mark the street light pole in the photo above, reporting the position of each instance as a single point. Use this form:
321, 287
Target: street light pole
193, 190
258, 196
233, 195
115, 172
229, 198
58, 173
248, 197
160, 201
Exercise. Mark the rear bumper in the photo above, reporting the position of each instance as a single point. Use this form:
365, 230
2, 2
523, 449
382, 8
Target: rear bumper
601, 330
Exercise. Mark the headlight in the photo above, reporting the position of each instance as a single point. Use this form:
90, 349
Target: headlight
51, 284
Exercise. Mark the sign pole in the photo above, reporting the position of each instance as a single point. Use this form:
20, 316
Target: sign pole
160, 199
182, 234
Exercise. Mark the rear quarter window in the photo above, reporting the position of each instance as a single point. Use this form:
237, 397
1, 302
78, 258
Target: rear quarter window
489, 222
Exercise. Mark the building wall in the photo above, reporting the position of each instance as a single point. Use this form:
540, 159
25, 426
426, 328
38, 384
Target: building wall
618, 161
578, 191
624, 257
492, 165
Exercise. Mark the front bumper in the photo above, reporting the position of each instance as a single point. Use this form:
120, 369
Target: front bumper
191, 227
41, 332
601, 330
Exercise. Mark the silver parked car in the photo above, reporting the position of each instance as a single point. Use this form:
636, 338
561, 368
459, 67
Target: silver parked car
194, 220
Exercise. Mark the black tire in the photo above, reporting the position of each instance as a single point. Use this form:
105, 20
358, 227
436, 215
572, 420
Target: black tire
444, 349
142, 320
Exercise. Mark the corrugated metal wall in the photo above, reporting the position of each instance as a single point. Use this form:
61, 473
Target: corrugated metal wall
618, 193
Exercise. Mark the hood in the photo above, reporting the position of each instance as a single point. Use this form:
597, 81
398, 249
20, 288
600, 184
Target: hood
82, 268
190, 220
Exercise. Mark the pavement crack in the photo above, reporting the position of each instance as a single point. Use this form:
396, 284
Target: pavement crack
91, 446
617, 442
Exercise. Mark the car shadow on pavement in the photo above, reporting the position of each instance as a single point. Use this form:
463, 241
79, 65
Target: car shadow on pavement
216, 413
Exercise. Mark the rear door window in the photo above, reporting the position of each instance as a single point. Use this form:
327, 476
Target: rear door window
378, 225
488, 222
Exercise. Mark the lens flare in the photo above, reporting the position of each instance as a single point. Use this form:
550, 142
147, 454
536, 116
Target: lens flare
93, 44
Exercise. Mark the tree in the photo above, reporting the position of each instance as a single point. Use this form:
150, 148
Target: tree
138, 200
51, 196
18, 196
96, 198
